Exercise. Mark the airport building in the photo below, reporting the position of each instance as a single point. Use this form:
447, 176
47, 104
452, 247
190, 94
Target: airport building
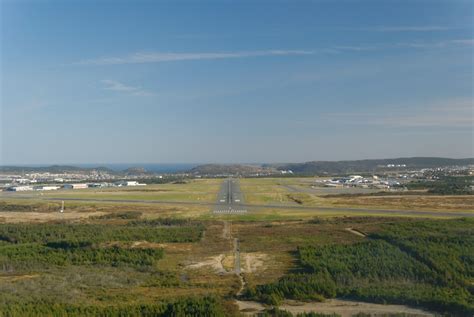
46, 187
19, 188
129, 183
75, 186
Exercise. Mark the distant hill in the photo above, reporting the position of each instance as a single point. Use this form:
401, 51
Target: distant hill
229, 169
360, 166
307, 168
135, 171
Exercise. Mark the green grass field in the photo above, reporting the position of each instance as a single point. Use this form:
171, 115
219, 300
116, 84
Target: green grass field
298, 191
192, 191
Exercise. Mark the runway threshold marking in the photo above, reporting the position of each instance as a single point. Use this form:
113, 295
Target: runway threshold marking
230, 211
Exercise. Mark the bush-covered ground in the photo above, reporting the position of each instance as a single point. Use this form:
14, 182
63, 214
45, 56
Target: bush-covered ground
30, 246
125, 265
421, 263
104, 268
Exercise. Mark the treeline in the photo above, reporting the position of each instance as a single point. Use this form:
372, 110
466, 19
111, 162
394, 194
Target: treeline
448, 185
165, 180
119, 215
205, 306
95, 233
420, 263
165, 222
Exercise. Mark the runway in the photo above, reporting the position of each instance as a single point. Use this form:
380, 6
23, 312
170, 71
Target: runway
243, 207
230, 199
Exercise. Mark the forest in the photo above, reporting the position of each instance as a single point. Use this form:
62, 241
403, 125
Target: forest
425, 263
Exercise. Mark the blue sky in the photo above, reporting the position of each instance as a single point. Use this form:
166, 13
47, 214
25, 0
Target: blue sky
234, 81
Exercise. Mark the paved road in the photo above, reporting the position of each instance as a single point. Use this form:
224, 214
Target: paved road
230, 199
244, 206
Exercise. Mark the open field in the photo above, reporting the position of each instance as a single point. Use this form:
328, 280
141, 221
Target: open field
202, 190
156, 255
265, 199
298, 191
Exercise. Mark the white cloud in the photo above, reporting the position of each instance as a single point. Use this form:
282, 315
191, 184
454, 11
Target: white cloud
157, 57
120, 87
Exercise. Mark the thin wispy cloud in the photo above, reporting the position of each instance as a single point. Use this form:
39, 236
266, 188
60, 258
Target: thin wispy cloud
114, 85
464, 41
354, 48
419, 28
413, 45
157, 57
458, 113
439, 44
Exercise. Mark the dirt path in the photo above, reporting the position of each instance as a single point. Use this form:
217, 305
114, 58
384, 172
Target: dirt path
14, 278
349, 308
237, 268
226, 230
215, 262
334, 306
356, 232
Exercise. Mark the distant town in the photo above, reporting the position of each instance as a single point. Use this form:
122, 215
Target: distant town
389, 176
